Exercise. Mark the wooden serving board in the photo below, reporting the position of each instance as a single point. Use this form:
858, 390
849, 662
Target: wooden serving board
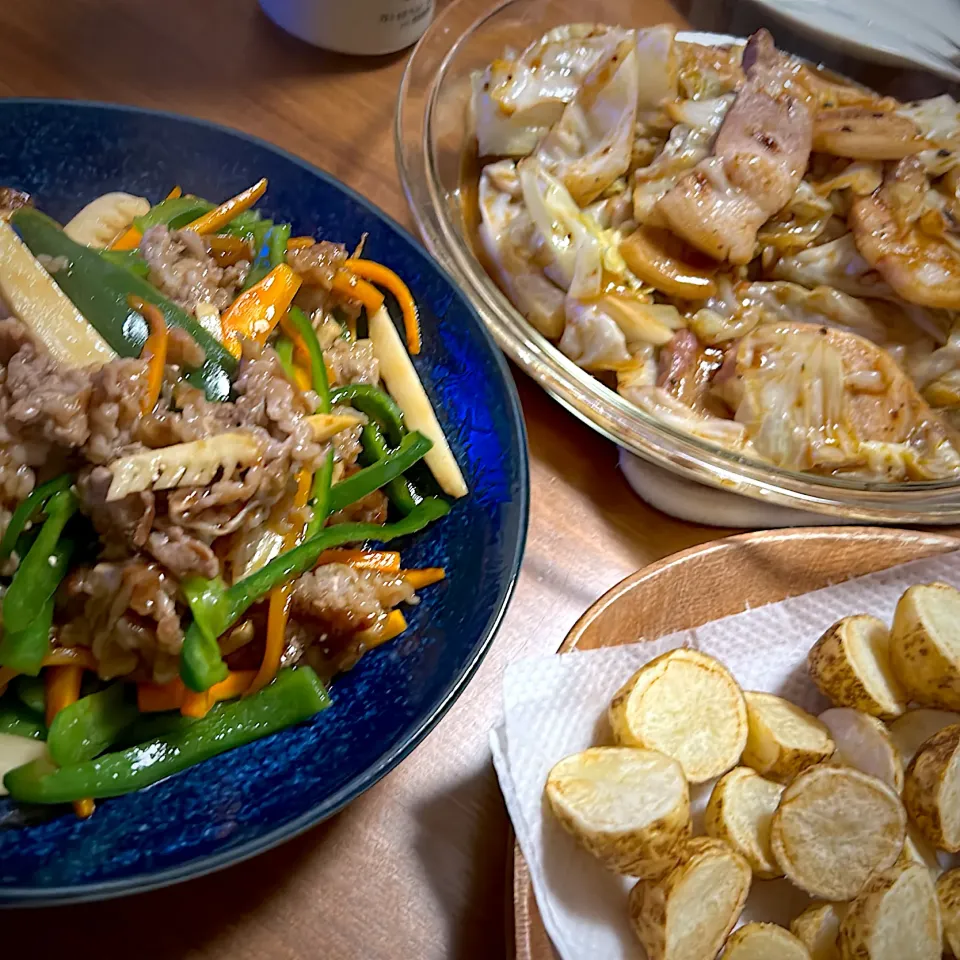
711, 581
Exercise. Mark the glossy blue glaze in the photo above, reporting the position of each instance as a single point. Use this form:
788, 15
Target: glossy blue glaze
239, 804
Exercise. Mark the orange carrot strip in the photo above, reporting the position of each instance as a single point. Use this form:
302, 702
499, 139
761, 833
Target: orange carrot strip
157, 697
71, 657
128, 240
256, 312
354, 288
62, 689
387, 561
131, 237
300, 243
6, 675
301, 369
388, 627
198, 705
278, 609
383, 276
220, 216
154, 350
418, 579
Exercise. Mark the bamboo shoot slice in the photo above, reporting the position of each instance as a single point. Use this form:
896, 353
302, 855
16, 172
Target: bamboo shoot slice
34, 298
404, 384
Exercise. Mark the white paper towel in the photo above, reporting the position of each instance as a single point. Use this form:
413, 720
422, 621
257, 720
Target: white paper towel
557, 705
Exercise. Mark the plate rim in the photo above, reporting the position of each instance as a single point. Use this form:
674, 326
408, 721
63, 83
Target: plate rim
23, 897
519, 891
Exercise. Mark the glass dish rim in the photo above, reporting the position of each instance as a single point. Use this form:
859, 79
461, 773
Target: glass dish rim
578, 391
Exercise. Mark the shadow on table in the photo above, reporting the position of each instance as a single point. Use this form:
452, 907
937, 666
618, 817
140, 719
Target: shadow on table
176, 922
468, 824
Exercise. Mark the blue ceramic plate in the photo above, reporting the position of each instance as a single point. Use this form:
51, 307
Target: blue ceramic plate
239, 804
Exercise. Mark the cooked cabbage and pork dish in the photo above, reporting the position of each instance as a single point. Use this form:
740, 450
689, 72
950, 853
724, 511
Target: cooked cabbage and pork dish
754, 251
203, 421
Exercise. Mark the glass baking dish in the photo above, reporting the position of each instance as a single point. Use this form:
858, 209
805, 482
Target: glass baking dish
432, 137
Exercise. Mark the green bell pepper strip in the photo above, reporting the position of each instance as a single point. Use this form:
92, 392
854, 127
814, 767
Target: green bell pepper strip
247, 223
150, 726
201, 665
402, 493
375, 404
31, 693
85, 728
29, 509
19, 720
284, 349
320, 494
99, 289
320, 497
208, 603
24, 650
43, 567
271, 252
318, 368
174, 213
413, 448
295, 696
128, 259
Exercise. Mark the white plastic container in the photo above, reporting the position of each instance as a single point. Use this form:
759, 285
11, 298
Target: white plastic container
366, 27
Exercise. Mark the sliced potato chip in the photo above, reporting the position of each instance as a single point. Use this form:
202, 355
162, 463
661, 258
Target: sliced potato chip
895, 917
764, 941
688, 914
948, 896
818, 929
850, 664
931, 792
834, 827
739, 813
688, 706
918, 849
783, 739
916, 726
629, 807
864, 743
925, 644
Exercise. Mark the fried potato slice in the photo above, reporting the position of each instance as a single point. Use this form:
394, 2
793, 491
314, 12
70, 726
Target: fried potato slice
818, 929
764, 941
850, 664
931, 791
918, 849
948, 896
688, 914
864, 743
739, 813
895, 917
915, 727
630, 808
925, 644
688, 706
783, 740
835, 826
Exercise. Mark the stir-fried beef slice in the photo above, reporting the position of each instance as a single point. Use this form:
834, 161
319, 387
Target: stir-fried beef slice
183, 270
126, 613
344, 599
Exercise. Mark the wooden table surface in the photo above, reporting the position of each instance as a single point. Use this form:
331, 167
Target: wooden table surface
417, 868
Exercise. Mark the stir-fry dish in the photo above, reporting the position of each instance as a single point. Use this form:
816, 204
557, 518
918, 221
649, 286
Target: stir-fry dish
203, 420
758, 253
